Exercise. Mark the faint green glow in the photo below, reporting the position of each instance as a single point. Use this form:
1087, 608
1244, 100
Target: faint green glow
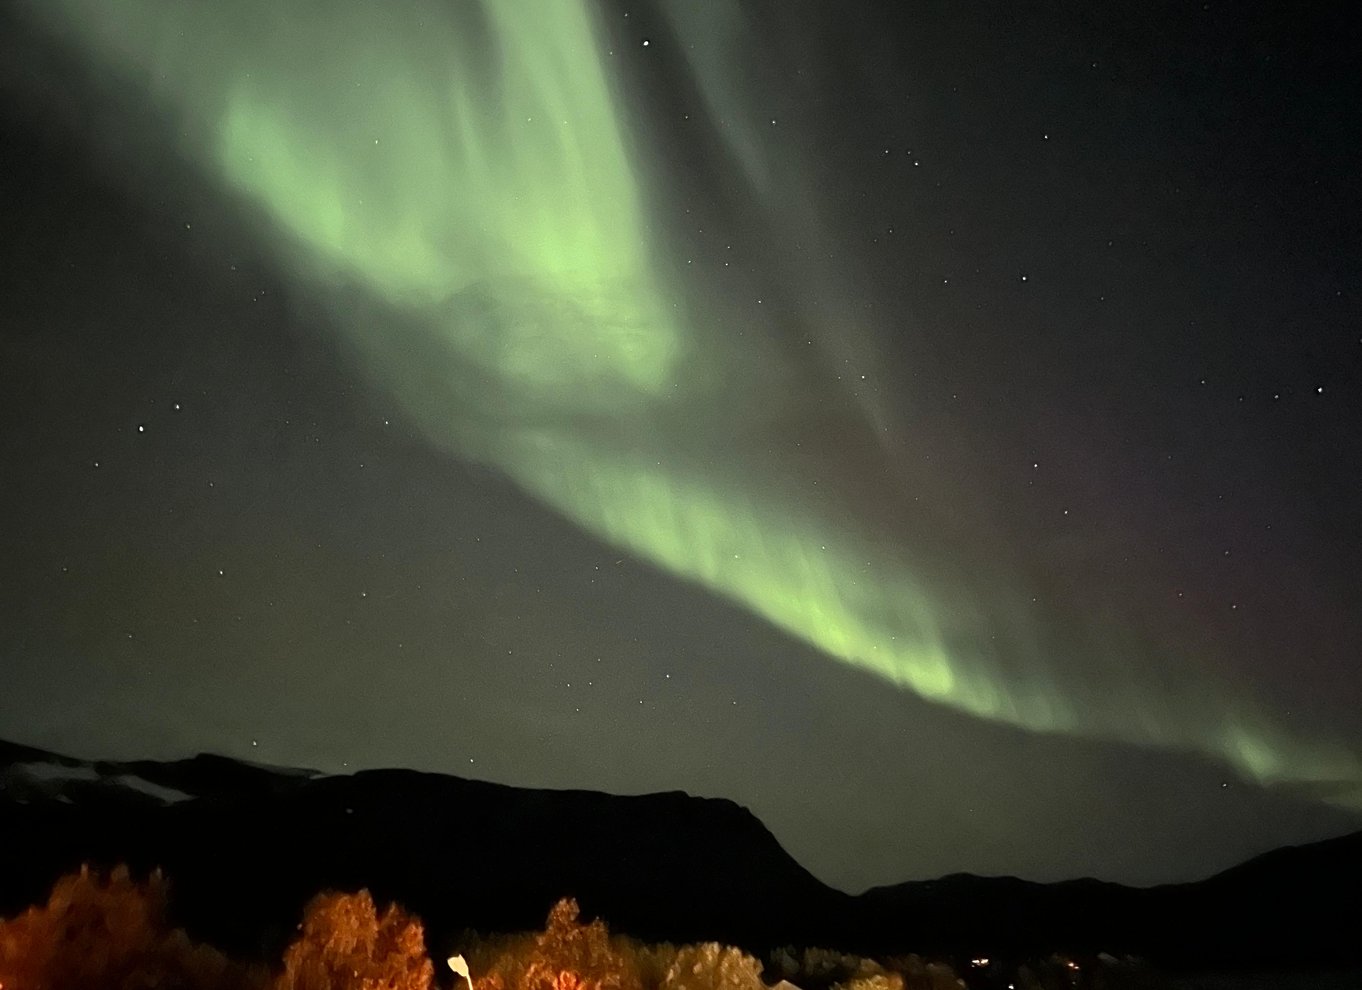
765, 555
467, 168
420, 180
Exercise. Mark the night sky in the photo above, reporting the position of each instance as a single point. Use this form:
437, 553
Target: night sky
934, 426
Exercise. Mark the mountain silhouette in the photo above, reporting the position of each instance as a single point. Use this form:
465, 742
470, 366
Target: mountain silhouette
245, 846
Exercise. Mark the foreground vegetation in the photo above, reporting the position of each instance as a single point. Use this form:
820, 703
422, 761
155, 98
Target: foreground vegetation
112, 933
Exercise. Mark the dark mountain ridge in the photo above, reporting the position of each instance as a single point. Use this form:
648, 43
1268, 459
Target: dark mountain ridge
245, 846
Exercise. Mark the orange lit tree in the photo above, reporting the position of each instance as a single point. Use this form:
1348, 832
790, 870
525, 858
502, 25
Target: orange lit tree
110, 933
345, 944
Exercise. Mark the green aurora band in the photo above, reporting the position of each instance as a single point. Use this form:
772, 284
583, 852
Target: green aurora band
457, 182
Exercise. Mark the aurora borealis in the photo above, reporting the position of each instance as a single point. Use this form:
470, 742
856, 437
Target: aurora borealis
480, 211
